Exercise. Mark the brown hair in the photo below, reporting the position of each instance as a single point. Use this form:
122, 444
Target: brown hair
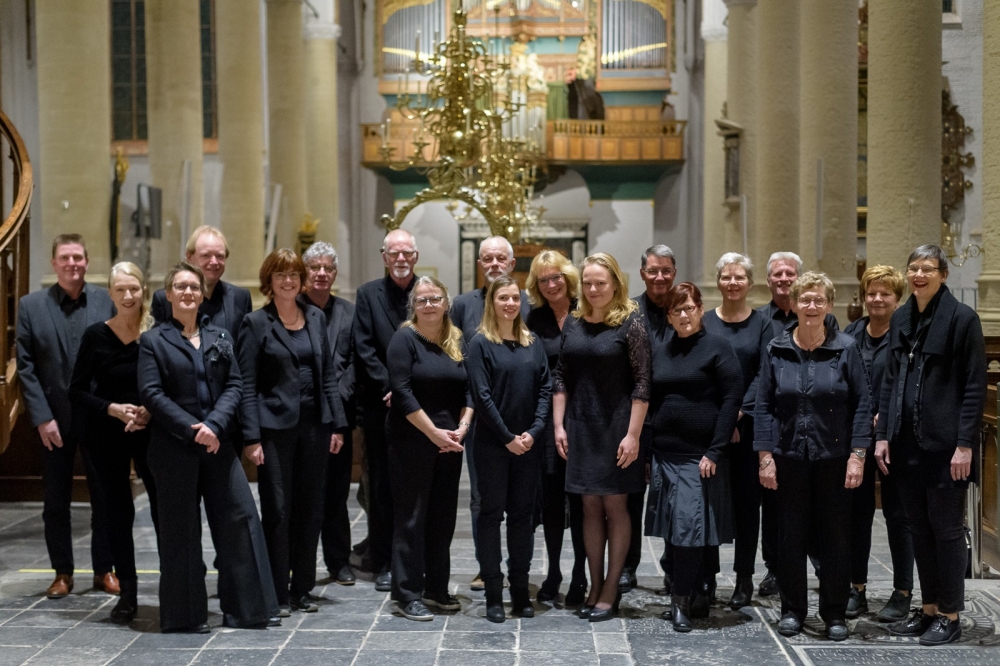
68, 239
887, 275
280, 261
168, 281
621, 305
679, 294
551, 259
490, 325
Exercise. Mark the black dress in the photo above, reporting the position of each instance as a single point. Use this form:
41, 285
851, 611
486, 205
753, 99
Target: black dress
105, 373
602, 369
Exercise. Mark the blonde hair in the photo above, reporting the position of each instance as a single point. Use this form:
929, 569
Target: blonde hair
551, 259
887, 275
451, 335
197, 233
811, 280
490, 325
130, 269
621, 305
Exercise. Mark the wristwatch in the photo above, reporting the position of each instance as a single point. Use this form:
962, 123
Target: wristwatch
860, 453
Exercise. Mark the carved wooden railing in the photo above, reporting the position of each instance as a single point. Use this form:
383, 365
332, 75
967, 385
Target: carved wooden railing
611, 141
14, 264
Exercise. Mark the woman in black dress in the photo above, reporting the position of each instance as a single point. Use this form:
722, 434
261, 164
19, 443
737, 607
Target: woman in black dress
748, 331
601, 394
105, 395
292, 420
190, 382
512, 394
430, 415
553, 284
696, 395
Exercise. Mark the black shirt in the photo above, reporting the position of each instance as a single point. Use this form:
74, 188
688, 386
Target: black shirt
749, 340
105, 373
303, 350
75, 311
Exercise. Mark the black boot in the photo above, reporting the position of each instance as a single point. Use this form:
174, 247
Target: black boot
680, 613
704, 596
743, 594
494, 600
520, 602
128, 604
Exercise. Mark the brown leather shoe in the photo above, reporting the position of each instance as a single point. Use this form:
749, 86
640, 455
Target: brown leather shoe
106, 583
60, 587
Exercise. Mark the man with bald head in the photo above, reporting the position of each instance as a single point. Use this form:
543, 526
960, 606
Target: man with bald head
496, 259
380, 309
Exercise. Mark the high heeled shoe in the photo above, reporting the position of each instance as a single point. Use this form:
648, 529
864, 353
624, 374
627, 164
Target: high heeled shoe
585, 611
603, 614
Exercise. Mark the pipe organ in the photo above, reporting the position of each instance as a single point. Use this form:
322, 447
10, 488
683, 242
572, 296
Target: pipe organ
634, 34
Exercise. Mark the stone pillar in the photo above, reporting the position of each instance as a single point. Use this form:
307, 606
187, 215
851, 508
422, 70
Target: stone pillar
777, 81
241, 136
741, 104
321, 33
713, 31
174, 109
74, 124
829, 132
904, 128
989, 279
286, 97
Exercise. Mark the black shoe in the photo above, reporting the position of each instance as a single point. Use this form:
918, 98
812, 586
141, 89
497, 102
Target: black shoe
742, 594
383, 582
416, 610
361, 557
896, 609
942, 631
603, 614
857, 603
127, 606
915, 625
548, 591
668, 585
680, 613
344, 576
789, 625
442, 601
699, 606
627, 582
231, 622
577, 593
274, 621
495, 612
836, 630
520, 603
585, 611
303, 604
203, 628
769, 586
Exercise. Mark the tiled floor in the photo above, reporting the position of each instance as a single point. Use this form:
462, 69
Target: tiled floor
355, 625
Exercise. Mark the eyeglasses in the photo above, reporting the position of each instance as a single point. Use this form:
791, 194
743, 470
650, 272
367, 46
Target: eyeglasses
818, 302
316, 268
194, 288
913, 269
653, 272
394, 254
287, 275
551, 279
687, 309
425, 301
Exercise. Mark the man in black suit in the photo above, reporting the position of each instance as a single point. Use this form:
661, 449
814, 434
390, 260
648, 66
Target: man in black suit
50, 324
496, 259
321, 272
380, 310
225, 304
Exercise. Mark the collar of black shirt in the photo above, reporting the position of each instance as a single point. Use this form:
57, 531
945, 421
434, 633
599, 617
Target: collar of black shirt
64, 298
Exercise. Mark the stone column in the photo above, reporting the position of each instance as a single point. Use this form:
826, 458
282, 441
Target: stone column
321, 33
777, 80
241, 136
829, 132
904, 128
286, 97
713, 31
173, 84
74, 124
989, 279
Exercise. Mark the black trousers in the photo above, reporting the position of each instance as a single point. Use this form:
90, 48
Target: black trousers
185, 473
425, 504
748, 496
636, 504
112, 456
507, 483
475, 497
57, 475
555, 502
336, 521
813, 500
936, 518
380, 498
292, 486
898, 527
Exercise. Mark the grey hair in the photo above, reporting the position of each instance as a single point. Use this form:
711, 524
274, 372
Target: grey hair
784, 256
734, 258
660, 251
929, 251
413, 239
812, 280
318, 250
510, 248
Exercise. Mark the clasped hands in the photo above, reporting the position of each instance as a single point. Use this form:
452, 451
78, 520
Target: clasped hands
135, 417
449, 441
520, 444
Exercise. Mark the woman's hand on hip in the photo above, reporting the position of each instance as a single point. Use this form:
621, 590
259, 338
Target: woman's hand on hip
206, 437
706, 467
767, 473
255, 453
961, 464
882, 455
855, 471
336, 442
562, 442
628, 451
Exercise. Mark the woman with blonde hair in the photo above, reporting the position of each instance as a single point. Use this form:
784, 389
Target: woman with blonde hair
512, 393
105, 394
429, 417
602, 386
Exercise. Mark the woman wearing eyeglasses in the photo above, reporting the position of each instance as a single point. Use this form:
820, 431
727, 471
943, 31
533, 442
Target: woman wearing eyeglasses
812, 431
553, 284
694, 402
429, 417
292, 419
930, 417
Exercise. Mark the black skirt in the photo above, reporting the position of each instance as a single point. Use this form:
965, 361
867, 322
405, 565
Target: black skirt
685, 509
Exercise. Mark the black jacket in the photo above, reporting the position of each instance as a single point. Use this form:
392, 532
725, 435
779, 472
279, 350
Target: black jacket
229, 304
375, 322
951, 384
270, 371
168, 382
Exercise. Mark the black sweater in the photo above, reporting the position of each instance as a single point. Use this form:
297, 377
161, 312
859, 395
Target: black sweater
511, 390
696, 394
749, 339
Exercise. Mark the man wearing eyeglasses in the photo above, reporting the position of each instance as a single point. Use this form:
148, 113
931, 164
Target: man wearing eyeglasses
380, 309
496, 259
783, 268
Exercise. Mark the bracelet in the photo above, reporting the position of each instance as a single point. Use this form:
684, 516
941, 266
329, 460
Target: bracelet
463, 423
765, 463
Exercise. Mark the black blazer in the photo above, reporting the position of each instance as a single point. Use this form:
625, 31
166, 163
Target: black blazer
270, 371
168, 382
44, 360
339, 315
375, 322
236, 304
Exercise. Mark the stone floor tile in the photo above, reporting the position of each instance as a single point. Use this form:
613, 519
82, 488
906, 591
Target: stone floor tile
557, 641
158, 641
47, 618
88, 637
474, 620
479, 658
134, 657
400, 623
90, 601
560, 659
29, 636
611, 643
464, 640
369, 657
252, 657
326, 639
60, 656
615, 660
14, 656
248, 638
331, 621
314, 657
561, 621
403, 640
